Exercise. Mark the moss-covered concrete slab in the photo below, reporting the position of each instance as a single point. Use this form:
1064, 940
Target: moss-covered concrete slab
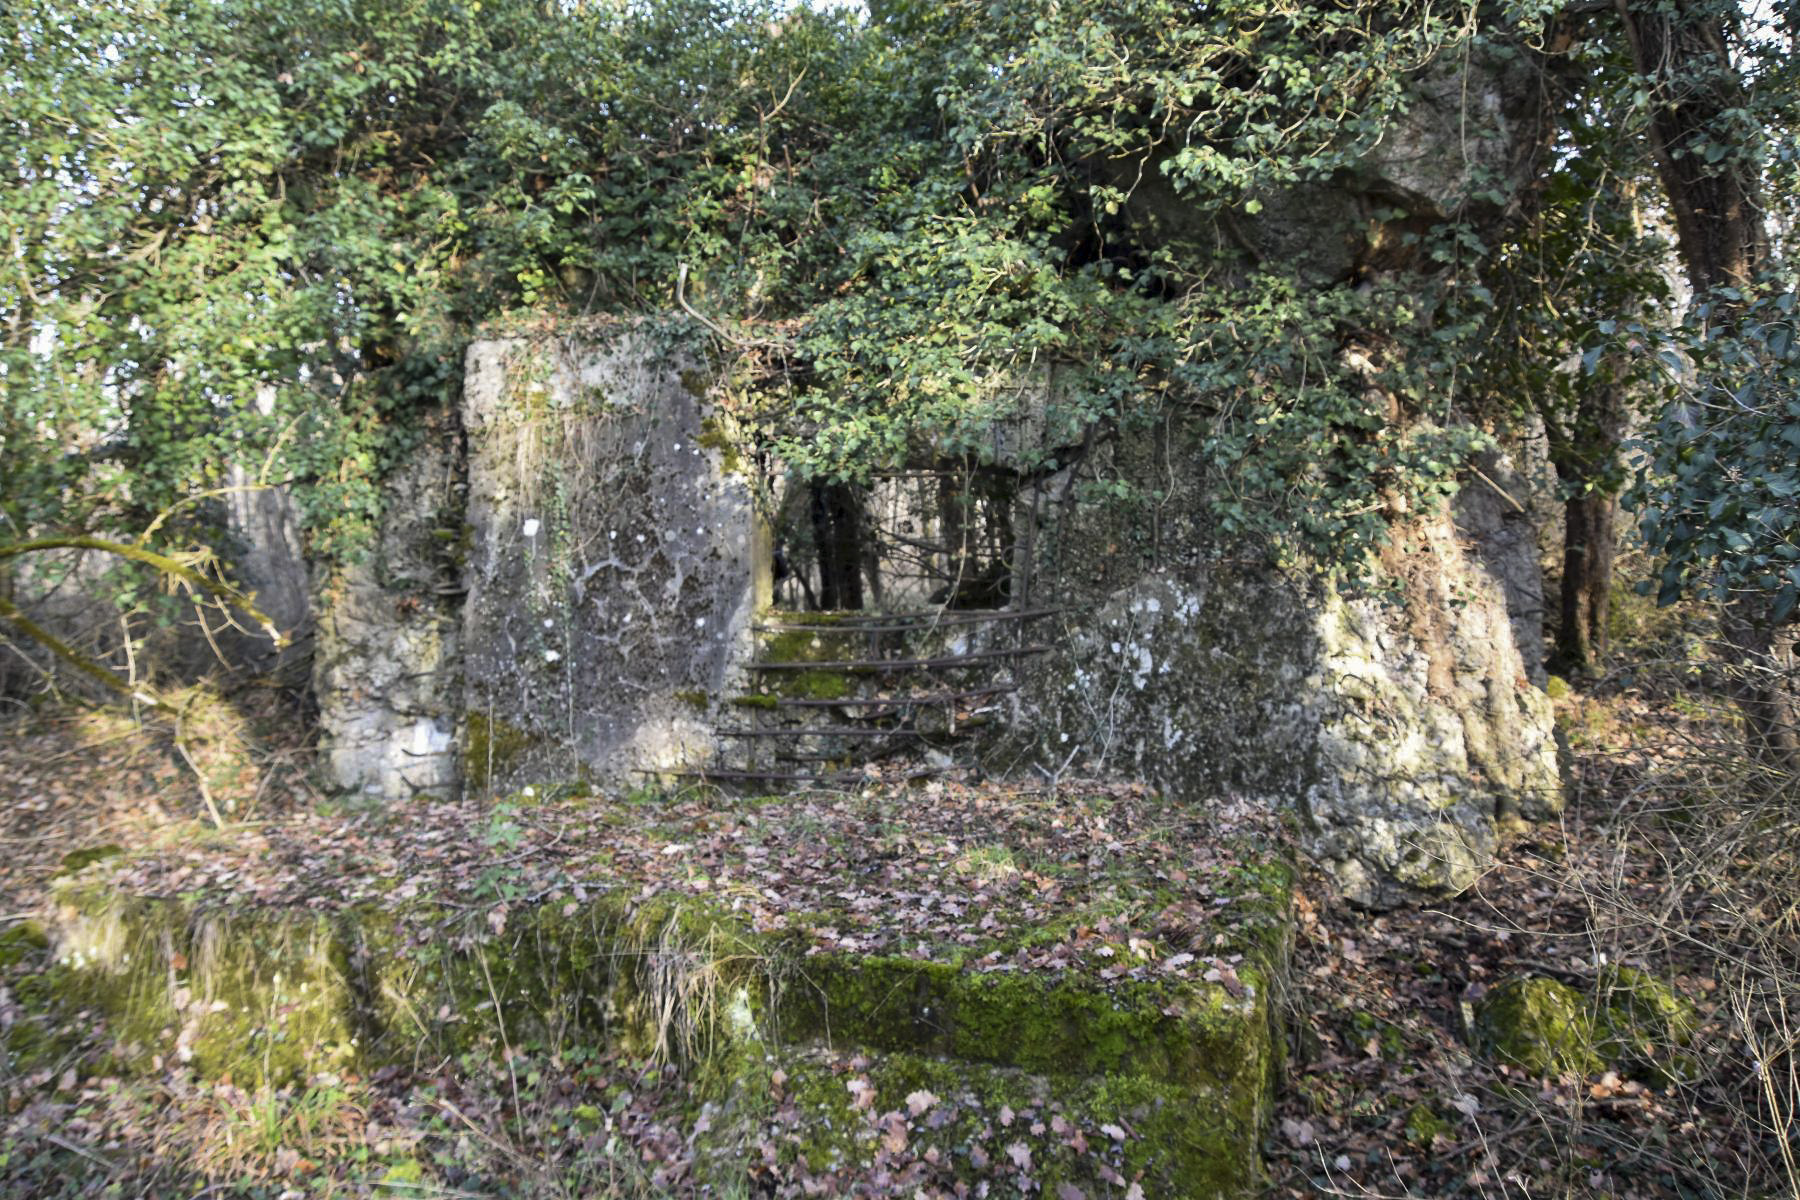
1064, 966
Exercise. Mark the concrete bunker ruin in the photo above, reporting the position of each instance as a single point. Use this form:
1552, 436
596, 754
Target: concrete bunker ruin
635, 600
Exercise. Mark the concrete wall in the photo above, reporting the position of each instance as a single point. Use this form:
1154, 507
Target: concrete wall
1401, 725
611, 569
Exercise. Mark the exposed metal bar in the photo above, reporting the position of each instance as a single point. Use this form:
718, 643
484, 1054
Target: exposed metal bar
892, 701
841, 777
921, 473
877, 666
903, 622
846, 731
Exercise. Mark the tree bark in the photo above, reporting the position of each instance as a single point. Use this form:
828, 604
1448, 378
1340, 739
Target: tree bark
1680, 51
837, 534
953, 517
1765, 682
1588, 545
1584, 448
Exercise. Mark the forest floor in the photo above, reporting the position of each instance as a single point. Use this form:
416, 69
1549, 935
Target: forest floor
1382, 1094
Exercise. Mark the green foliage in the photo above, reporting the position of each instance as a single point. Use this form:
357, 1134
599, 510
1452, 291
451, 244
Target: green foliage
1058, 251
254, 233
1718, 487
249, 238
1570, 279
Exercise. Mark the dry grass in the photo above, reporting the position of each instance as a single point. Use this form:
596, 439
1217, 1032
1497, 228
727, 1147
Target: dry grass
1725, 844
1676, 856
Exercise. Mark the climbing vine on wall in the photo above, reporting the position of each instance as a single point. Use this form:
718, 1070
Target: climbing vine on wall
259, 231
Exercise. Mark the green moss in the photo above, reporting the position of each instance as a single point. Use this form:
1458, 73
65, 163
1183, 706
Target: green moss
1186, 1066
20, 942
695, 699
806, 645
79, 860
754, 700
1360, 1027
696, 382
811, 645
813, 620
35, 1038
713, 437
547, 978
1644, 1025
407, 1173
1424, 1126
1163, 1031
815, 685
1540, 1025
257, 995
491, 746
1181, 1141
1557, 688
1639, 999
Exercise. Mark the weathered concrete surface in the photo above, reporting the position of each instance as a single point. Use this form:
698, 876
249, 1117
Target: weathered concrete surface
1499, 512
387, 658
611, 572
766, 1027
565, 601
1401, 726
269, 560
1469, 137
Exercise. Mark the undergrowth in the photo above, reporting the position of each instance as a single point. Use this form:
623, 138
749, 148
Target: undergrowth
1676, 857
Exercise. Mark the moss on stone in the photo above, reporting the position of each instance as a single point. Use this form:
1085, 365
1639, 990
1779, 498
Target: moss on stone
1186, 1066
257, 995
408, 1173
1637, 998
20, 942
696, 382
1632, 1021
1182, 1141
79, 860
33, 1039
713, 437
810, 645
1540, 1025
491, 746
792, 647
1424, 1126
1644, 1025
812, 620
814, 685
1162, 1031
546, 979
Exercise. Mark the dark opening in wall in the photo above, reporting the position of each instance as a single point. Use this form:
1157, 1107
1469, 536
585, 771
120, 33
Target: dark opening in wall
940, 536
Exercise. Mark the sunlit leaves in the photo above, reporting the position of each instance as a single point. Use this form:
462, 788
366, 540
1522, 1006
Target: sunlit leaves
1718, 486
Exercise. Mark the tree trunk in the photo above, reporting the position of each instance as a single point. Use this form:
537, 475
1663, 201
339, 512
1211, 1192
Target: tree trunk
953, 516
1680, 51
1588, 544
837, 534
1585, 451
1764, 683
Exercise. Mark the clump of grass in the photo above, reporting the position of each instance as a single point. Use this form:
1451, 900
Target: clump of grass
1662, 757
687, 976
987, 863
